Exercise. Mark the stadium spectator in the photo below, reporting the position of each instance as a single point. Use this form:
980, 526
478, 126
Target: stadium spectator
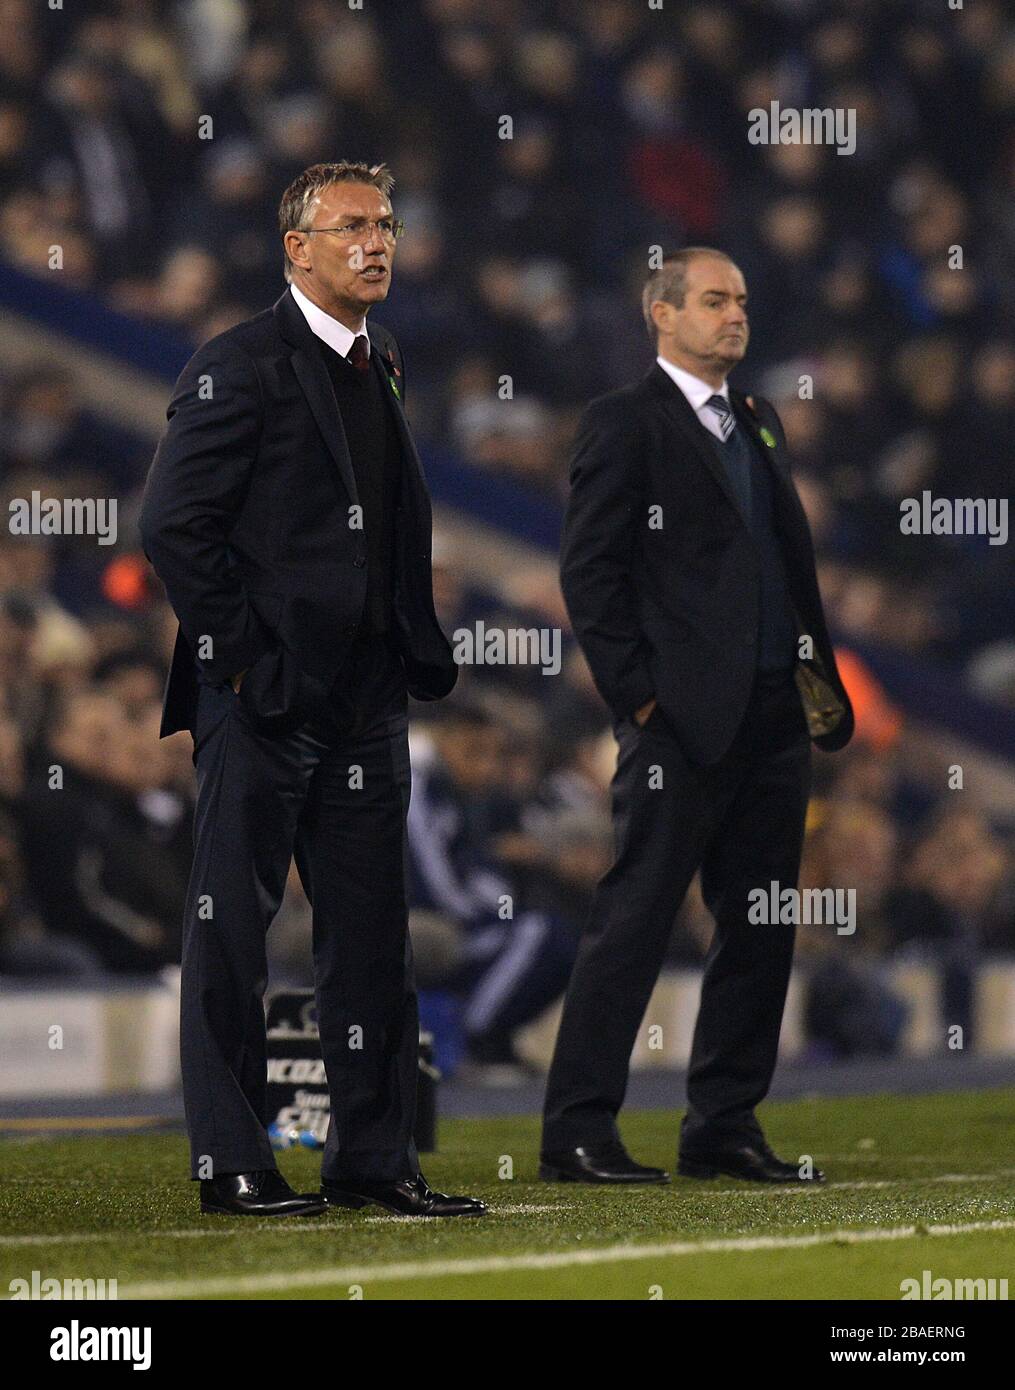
520, 260
515, 958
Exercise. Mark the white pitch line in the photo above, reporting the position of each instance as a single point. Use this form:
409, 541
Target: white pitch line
519, 1209
860, 1185
313, 1228
195, 1233
500, 1264
249, 1228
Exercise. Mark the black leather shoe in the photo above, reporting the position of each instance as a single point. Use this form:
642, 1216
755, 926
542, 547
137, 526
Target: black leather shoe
263, 1193
607, 1163
410, 1197
753, 1161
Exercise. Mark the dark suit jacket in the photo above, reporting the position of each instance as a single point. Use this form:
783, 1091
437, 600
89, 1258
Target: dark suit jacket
665, 603
248, 518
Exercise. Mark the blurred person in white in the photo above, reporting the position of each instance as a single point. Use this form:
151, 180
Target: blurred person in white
514, 955
953, 905
850, 1007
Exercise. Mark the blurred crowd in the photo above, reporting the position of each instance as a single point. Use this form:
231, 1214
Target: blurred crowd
508, 834
151, 140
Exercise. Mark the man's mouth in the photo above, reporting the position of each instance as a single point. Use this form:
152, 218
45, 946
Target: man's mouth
374, 272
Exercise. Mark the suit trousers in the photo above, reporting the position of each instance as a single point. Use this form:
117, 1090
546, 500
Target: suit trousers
334, 792
741, 820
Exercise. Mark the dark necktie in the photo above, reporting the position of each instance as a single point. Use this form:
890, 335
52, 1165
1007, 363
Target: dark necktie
358, 354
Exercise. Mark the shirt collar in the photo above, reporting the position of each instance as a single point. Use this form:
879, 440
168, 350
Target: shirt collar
696, 390
328, 329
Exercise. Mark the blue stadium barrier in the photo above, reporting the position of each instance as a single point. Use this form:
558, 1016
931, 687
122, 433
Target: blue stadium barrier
924, 691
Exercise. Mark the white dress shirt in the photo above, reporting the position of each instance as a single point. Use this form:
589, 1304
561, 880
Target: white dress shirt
335, 334
697, 393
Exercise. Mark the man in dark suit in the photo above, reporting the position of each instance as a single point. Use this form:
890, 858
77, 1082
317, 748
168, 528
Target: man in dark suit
688, 572
287, 514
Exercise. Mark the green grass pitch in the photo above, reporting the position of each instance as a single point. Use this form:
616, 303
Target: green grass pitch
915, 1183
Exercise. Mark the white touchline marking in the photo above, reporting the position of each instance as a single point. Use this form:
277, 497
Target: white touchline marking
314, 1228
518, 1209
249, 1228
499, 1264
876, 1156
860, 1185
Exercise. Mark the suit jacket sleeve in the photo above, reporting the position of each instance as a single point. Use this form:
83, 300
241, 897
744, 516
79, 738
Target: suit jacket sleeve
597, 555
193, 495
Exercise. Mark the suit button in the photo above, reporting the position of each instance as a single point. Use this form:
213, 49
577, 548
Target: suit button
348, 630
359, 562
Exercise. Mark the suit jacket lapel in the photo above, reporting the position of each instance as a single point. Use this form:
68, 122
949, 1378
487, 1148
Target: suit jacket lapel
786, 493
678, 408
312, 376
750, 422
383, 366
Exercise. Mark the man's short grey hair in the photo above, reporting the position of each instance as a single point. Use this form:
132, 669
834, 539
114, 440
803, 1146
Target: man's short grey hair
669, 281
294, 209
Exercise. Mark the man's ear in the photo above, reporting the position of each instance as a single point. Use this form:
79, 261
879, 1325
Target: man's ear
661, 312
296, 250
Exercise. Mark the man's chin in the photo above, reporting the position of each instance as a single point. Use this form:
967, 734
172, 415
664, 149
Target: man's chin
374, 293
732, 351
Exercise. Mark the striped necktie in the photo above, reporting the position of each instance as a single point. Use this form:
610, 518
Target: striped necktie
727, 420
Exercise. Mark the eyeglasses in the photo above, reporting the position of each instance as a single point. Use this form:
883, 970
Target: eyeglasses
361, 228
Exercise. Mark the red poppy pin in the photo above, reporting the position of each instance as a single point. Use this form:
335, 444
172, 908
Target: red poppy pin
393, 372
764, 432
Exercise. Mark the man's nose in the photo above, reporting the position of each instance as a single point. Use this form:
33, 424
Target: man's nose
374, 242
